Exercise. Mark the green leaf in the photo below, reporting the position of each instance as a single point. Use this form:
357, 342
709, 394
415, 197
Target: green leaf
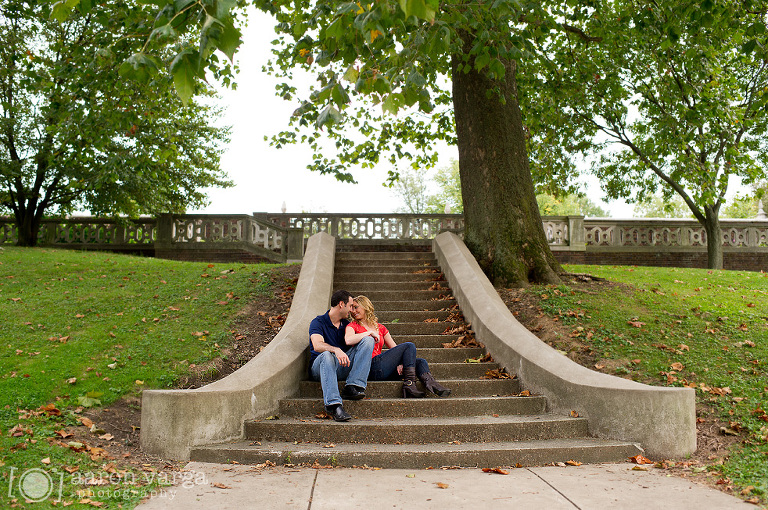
140, 67
420, 8
60, 10
391, 103
329, 116
352, 74
229, 40
185, 69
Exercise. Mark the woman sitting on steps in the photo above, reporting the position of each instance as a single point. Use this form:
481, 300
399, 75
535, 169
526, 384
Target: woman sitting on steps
397, 359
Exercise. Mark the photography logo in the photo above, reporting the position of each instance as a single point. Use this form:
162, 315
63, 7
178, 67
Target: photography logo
34, 484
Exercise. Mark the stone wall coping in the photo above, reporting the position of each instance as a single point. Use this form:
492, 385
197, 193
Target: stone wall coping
662, 420
173, 421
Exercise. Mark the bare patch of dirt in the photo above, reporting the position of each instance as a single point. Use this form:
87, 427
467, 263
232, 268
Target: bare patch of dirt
254, 328
713, 446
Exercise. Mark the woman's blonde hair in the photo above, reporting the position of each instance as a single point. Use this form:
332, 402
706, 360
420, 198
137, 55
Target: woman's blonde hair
365, 303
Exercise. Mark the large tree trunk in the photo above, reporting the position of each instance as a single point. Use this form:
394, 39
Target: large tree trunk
27, 227
503, 227
714, 237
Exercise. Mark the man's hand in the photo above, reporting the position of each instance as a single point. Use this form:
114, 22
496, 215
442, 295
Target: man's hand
342, 357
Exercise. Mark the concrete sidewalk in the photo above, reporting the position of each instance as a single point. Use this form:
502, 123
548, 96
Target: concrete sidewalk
614, 486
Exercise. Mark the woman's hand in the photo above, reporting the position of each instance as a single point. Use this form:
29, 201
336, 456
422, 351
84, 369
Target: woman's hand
399, 369
374, 334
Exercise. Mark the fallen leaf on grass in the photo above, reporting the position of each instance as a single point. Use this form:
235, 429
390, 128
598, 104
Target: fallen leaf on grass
63, 433
46, 460
677, 366
496, 470
71, 469
86, 421
636, 324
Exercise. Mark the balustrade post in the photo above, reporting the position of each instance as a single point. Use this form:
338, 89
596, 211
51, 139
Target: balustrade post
164, 239
335, 226
49, 233
577, 239
293, 244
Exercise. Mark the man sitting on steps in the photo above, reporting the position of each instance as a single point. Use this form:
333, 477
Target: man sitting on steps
332, 358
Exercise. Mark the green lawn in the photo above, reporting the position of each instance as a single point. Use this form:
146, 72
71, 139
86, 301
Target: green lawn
83, 329
684, 327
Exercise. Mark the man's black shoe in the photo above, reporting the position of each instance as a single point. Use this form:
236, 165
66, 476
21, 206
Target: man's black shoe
351, 392
338, 413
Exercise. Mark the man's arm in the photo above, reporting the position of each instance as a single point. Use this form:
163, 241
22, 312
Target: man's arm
319, 345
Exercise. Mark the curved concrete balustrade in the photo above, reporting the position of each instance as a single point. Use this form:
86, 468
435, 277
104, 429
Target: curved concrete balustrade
662, 420
172, 421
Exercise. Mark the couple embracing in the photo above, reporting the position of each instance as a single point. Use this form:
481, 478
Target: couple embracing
352, 351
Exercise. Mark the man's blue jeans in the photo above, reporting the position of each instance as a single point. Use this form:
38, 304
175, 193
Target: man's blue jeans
327, 369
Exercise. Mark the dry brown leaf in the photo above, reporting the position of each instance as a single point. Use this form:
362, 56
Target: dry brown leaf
221, 485
442, 485
573, 463
496, 470
86, 422
639, 459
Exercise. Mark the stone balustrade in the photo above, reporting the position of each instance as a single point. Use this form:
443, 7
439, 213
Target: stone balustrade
281, 236
177, 236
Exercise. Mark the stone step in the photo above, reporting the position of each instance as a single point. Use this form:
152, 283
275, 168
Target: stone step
388, 266
458, 387
442, 355
365, 287
419, 328
412, 315
353, 257
420, 456
417, 430
442, 371
380, 296
388, 306
427, 341
352, 278
419, 407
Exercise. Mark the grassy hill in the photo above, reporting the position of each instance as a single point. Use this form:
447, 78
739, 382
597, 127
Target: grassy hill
80, 330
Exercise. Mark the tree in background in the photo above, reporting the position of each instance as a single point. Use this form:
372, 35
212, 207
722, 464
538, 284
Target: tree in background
571, 204
412, 190
668, 94
448, 197
657, 206
74, 135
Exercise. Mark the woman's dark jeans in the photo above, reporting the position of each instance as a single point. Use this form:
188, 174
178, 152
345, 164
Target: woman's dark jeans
384, 366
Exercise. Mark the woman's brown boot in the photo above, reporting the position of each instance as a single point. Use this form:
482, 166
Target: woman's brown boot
435, 387
409, 384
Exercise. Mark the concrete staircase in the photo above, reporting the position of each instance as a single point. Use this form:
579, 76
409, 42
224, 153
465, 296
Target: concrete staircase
485, 422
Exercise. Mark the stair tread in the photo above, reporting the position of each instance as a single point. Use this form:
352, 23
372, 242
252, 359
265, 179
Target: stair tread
424, 421
581, 442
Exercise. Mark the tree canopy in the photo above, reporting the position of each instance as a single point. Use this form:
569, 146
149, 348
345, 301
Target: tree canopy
75, 135
670, 96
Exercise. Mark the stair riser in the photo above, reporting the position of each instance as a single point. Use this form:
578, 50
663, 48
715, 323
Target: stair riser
448, 355
357, 288
421, 460
356, 256
459, 388
417, 316
422, 407
419, 328
414, 306
349, 279
429, 341
377, 295
328, 431
460, 370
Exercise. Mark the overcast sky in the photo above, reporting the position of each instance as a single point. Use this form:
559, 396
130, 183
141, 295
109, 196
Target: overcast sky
266, 177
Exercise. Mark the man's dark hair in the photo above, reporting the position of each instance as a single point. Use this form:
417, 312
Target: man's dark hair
339, 296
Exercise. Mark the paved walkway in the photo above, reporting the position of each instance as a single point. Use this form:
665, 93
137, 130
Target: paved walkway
614, 486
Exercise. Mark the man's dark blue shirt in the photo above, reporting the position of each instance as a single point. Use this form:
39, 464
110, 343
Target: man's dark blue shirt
322, 325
